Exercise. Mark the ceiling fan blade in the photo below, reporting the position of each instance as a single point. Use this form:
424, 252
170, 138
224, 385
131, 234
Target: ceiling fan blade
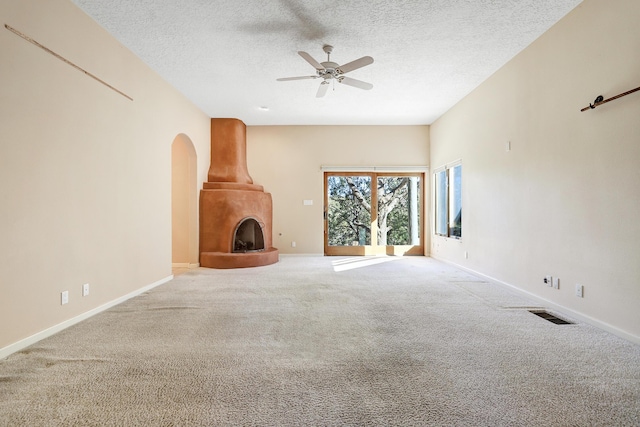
322, 90
286, 79
355, 83
354, 65
315, 64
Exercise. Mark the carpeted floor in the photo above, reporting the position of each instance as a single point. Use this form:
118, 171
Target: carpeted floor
319, 341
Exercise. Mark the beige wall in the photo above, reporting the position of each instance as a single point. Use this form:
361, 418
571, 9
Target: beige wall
287, 161
85, 174
564, 201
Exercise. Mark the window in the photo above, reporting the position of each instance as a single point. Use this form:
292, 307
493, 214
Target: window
448, 201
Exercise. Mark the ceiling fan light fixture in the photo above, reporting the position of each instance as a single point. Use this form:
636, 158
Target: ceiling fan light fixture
330, 70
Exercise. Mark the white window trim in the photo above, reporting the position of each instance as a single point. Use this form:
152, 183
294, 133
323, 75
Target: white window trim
381, 169
448, 166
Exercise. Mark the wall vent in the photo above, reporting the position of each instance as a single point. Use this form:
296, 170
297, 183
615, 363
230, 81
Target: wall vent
550, 317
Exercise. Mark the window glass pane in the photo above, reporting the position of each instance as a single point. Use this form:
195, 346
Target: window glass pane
349, 210
441, 203
455, 203
398, 210
415, 200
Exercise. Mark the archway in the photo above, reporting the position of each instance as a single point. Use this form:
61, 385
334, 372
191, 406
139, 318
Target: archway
184, 203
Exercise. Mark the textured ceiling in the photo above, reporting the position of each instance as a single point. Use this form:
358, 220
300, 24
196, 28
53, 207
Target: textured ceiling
225, 55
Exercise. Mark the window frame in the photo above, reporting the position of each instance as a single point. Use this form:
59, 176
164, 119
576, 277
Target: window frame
374, 248
451, 190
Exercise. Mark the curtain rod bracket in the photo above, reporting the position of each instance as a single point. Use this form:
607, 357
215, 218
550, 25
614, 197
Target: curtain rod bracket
600, 100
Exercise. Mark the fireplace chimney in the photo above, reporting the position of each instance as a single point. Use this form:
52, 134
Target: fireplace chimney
229, 152
235, 214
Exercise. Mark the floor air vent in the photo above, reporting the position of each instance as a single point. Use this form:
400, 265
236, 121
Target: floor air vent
550, 317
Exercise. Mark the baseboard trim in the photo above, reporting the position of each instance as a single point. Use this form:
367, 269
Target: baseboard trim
184, 265
560, 308
26, 342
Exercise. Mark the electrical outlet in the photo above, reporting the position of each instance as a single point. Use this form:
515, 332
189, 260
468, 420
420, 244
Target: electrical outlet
85, 289
64, 297
293, 244
556, 282
579, 291
548, 280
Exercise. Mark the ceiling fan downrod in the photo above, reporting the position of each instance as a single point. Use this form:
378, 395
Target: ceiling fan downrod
328, 49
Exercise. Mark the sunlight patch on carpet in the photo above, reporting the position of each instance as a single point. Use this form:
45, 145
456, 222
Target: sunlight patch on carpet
345, 264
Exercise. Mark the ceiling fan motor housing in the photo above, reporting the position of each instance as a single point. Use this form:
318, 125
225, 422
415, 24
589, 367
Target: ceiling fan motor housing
330, 71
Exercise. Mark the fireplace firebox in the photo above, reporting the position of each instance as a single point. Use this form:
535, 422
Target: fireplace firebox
248, 236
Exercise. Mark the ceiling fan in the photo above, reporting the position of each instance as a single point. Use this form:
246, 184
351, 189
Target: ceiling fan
330, 71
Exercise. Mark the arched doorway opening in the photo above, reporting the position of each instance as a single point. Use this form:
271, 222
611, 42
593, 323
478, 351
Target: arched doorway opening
184, 203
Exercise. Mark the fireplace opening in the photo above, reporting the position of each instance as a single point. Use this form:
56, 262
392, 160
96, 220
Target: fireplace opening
248, 236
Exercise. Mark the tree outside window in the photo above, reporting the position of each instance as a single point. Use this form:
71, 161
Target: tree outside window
373, 209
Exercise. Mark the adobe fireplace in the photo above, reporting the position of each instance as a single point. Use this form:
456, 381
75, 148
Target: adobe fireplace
235, 213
